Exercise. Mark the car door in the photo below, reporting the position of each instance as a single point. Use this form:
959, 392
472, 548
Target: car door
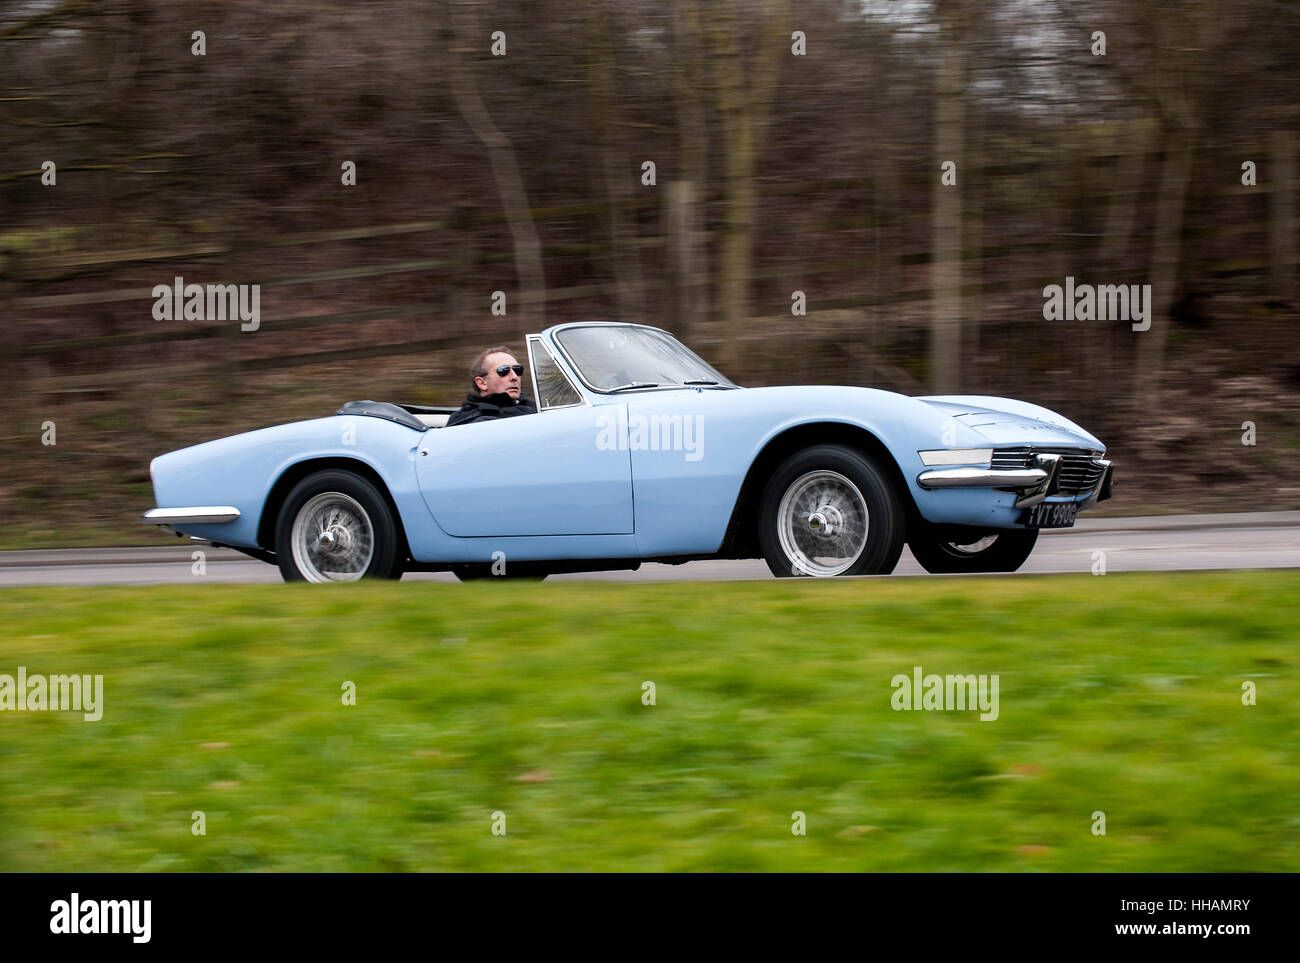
543, 474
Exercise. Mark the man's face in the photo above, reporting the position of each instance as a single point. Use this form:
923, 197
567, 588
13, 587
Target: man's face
493, 383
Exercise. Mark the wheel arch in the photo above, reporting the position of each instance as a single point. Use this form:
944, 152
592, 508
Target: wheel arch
741, 539
300, 470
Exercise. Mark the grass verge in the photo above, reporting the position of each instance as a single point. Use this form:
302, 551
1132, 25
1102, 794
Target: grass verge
1119, 694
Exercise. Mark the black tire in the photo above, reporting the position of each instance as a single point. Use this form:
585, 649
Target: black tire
341, 493
940, 556
479, 571
869, 545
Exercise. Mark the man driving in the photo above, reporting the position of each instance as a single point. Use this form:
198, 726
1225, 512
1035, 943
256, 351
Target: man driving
496, 377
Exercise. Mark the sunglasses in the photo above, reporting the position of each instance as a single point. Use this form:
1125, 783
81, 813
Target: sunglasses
503, 370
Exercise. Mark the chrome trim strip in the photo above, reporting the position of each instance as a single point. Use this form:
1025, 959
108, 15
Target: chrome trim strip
981, 477
939, 457
532, 367
189, 516
529, 341
1050, 464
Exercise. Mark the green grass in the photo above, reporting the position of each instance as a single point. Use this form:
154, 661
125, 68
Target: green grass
1119, 693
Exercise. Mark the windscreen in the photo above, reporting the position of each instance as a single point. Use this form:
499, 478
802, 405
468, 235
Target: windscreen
613, 356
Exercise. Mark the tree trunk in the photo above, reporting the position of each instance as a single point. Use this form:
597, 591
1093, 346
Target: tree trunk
11, 387
505, 170
743, 105
1166, 253
945, 321
618, 173
684, 256
1178, 98
687, 255
1282, 246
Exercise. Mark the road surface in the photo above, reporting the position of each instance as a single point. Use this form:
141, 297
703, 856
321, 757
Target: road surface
1149, 544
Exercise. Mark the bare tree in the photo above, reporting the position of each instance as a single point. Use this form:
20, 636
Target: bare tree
616, 166
945, 322
1183, 46
746, 86
505, 168
685, 193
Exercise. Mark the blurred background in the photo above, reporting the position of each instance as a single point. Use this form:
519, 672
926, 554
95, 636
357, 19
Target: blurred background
796, 147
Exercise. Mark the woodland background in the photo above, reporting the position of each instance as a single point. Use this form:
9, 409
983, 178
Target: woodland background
775, 172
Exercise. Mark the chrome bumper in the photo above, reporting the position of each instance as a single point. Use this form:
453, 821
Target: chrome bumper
1033, 484
190, 516
981, 477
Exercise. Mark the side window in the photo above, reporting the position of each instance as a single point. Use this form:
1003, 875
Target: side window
554, 390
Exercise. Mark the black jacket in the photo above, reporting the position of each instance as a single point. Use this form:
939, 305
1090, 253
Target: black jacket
490, 407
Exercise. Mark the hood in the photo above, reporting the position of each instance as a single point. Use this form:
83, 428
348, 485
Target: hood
1006, 422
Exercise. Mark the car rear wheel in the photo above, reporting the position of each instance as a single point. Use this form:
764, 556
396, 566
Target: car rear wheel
830, 510
335, 526
1001, 551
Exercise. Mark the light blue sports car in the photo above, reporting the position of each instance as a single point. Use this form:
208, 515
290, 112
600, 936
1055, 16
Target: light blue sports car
640, 451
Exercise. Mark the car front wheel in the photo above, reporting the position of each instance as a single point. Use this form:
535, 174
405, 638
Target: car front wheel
830, 510
1001, 551
335, 526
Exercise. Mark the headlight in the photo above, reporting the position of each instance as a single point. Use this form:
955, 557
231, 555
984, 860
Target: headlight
957, 456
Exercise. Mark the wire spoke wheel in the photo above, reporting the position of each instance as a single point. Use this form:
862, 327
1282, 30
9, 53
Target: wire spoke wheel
830, 510
822, 523
333, 539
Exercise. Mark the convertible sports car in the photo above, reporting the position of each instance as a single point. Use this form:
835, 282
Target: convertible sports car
640, 451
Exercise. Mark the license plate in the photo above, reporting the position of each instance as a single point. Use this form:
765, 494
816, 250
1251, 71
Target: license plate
1050, 515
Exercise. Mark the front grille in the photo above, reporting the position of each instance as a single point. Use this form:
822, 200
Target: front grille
1079, 472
